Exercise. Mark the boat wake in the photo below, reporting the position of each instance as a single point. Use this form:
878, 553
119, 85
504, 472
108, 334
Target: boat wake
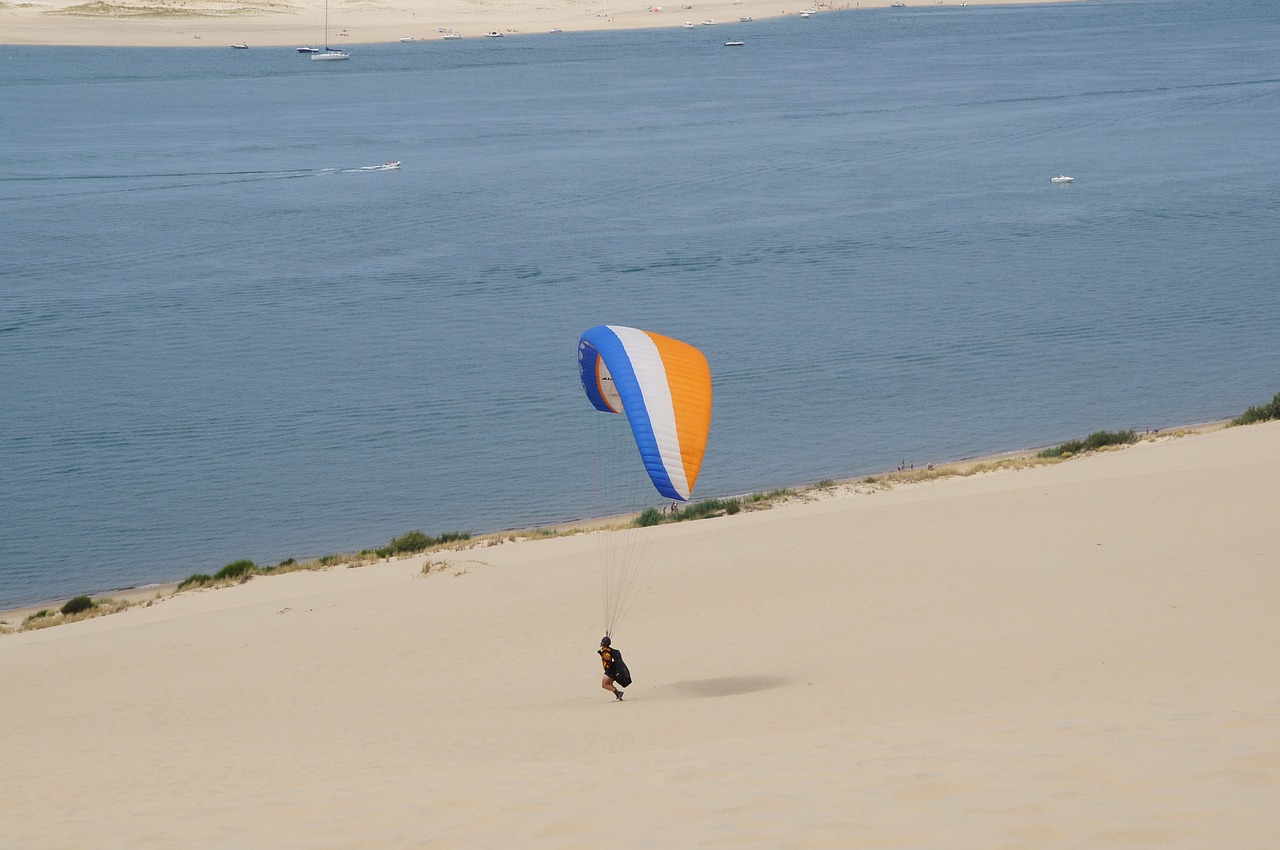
102, 184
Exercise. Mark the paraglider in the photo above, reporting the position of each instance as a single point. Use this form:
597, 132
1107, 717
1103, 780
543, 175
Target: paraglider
663, 387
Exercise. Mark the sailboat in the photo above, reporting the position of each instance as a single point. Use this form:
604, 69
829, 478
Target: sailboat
329, 54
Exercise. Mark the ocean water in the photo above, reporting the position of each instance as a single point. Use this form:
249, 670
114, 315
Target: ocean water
221, 338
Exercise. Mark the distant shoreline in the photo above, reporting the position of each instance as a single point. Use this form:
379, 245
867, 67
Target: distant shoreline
14, 616
258, 24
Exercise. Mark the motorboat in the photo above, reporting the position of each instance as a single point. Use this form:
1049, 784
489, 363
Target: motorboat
240, 46
734, 43
451, 34
308, 50
1062, 178
493, 34
745, 20
688, 25
391, 166
408, 39
708, 22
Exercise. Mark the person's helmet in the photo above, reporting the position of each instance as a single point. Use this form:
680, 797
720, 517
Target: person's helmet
604, 641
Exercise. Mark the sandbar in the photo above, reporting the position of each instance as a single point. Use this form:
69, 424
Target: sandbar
297, 23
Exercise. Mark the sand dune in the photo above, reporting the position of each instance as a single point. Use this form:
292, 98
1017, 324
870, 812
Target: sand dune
1075, 656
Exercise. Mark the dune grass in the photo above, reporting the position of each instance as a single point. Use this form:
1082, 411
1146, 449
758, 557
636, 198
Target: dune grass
1093, 442
74, 610
1261, 413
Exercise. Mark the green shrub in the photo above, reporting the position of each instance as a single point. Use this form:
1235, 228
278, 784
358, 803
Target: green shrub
710, 507
418, 541
76, 604
195, 579
1261, 413
648, 517
413, 541
235, 569
1094, 441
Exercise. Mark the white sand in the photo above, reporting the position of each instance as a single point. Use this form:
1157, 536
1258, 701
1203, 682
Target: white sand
292, 23
1075, 656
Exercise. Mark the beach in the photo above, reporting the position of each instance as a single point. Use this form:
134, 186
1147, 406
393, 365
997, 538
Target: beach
270, 23
1078, 655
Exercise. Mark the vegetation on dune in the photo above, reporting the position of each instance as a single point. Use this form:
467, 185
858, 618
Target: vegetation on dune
1093, 442
416, 541
696, 510
241, 569
74, 609
76, 604
1261, 413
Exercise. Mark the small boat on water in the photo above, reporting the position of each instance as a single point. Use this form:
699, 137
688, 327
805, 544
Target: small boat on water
688, 25
745, 20
308, 50
330, 54
493, 34
734, 43
452, 34
1062, 178
408, 38
708, 22
240, 46
390, 166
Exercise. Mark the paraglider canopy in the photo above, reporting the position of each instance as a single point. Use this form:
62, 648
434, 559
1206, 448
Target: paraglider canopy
663, 386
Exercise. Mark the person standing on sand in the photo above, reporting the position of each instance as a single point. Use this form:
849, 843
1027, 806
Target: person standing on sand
610, 658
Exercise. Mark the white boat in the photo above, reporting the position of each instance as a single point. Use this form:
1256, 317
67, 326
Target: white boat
734, 43
555, 30
390, 166
329, 54
407, 39
493, 34
308, 50
240, 46
688, 25
708, 22
745, 20
452, 34
805, 14
1062, 178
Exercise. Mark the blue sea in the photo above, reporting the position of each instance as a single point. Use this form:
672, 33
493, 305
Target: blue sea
223, 337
